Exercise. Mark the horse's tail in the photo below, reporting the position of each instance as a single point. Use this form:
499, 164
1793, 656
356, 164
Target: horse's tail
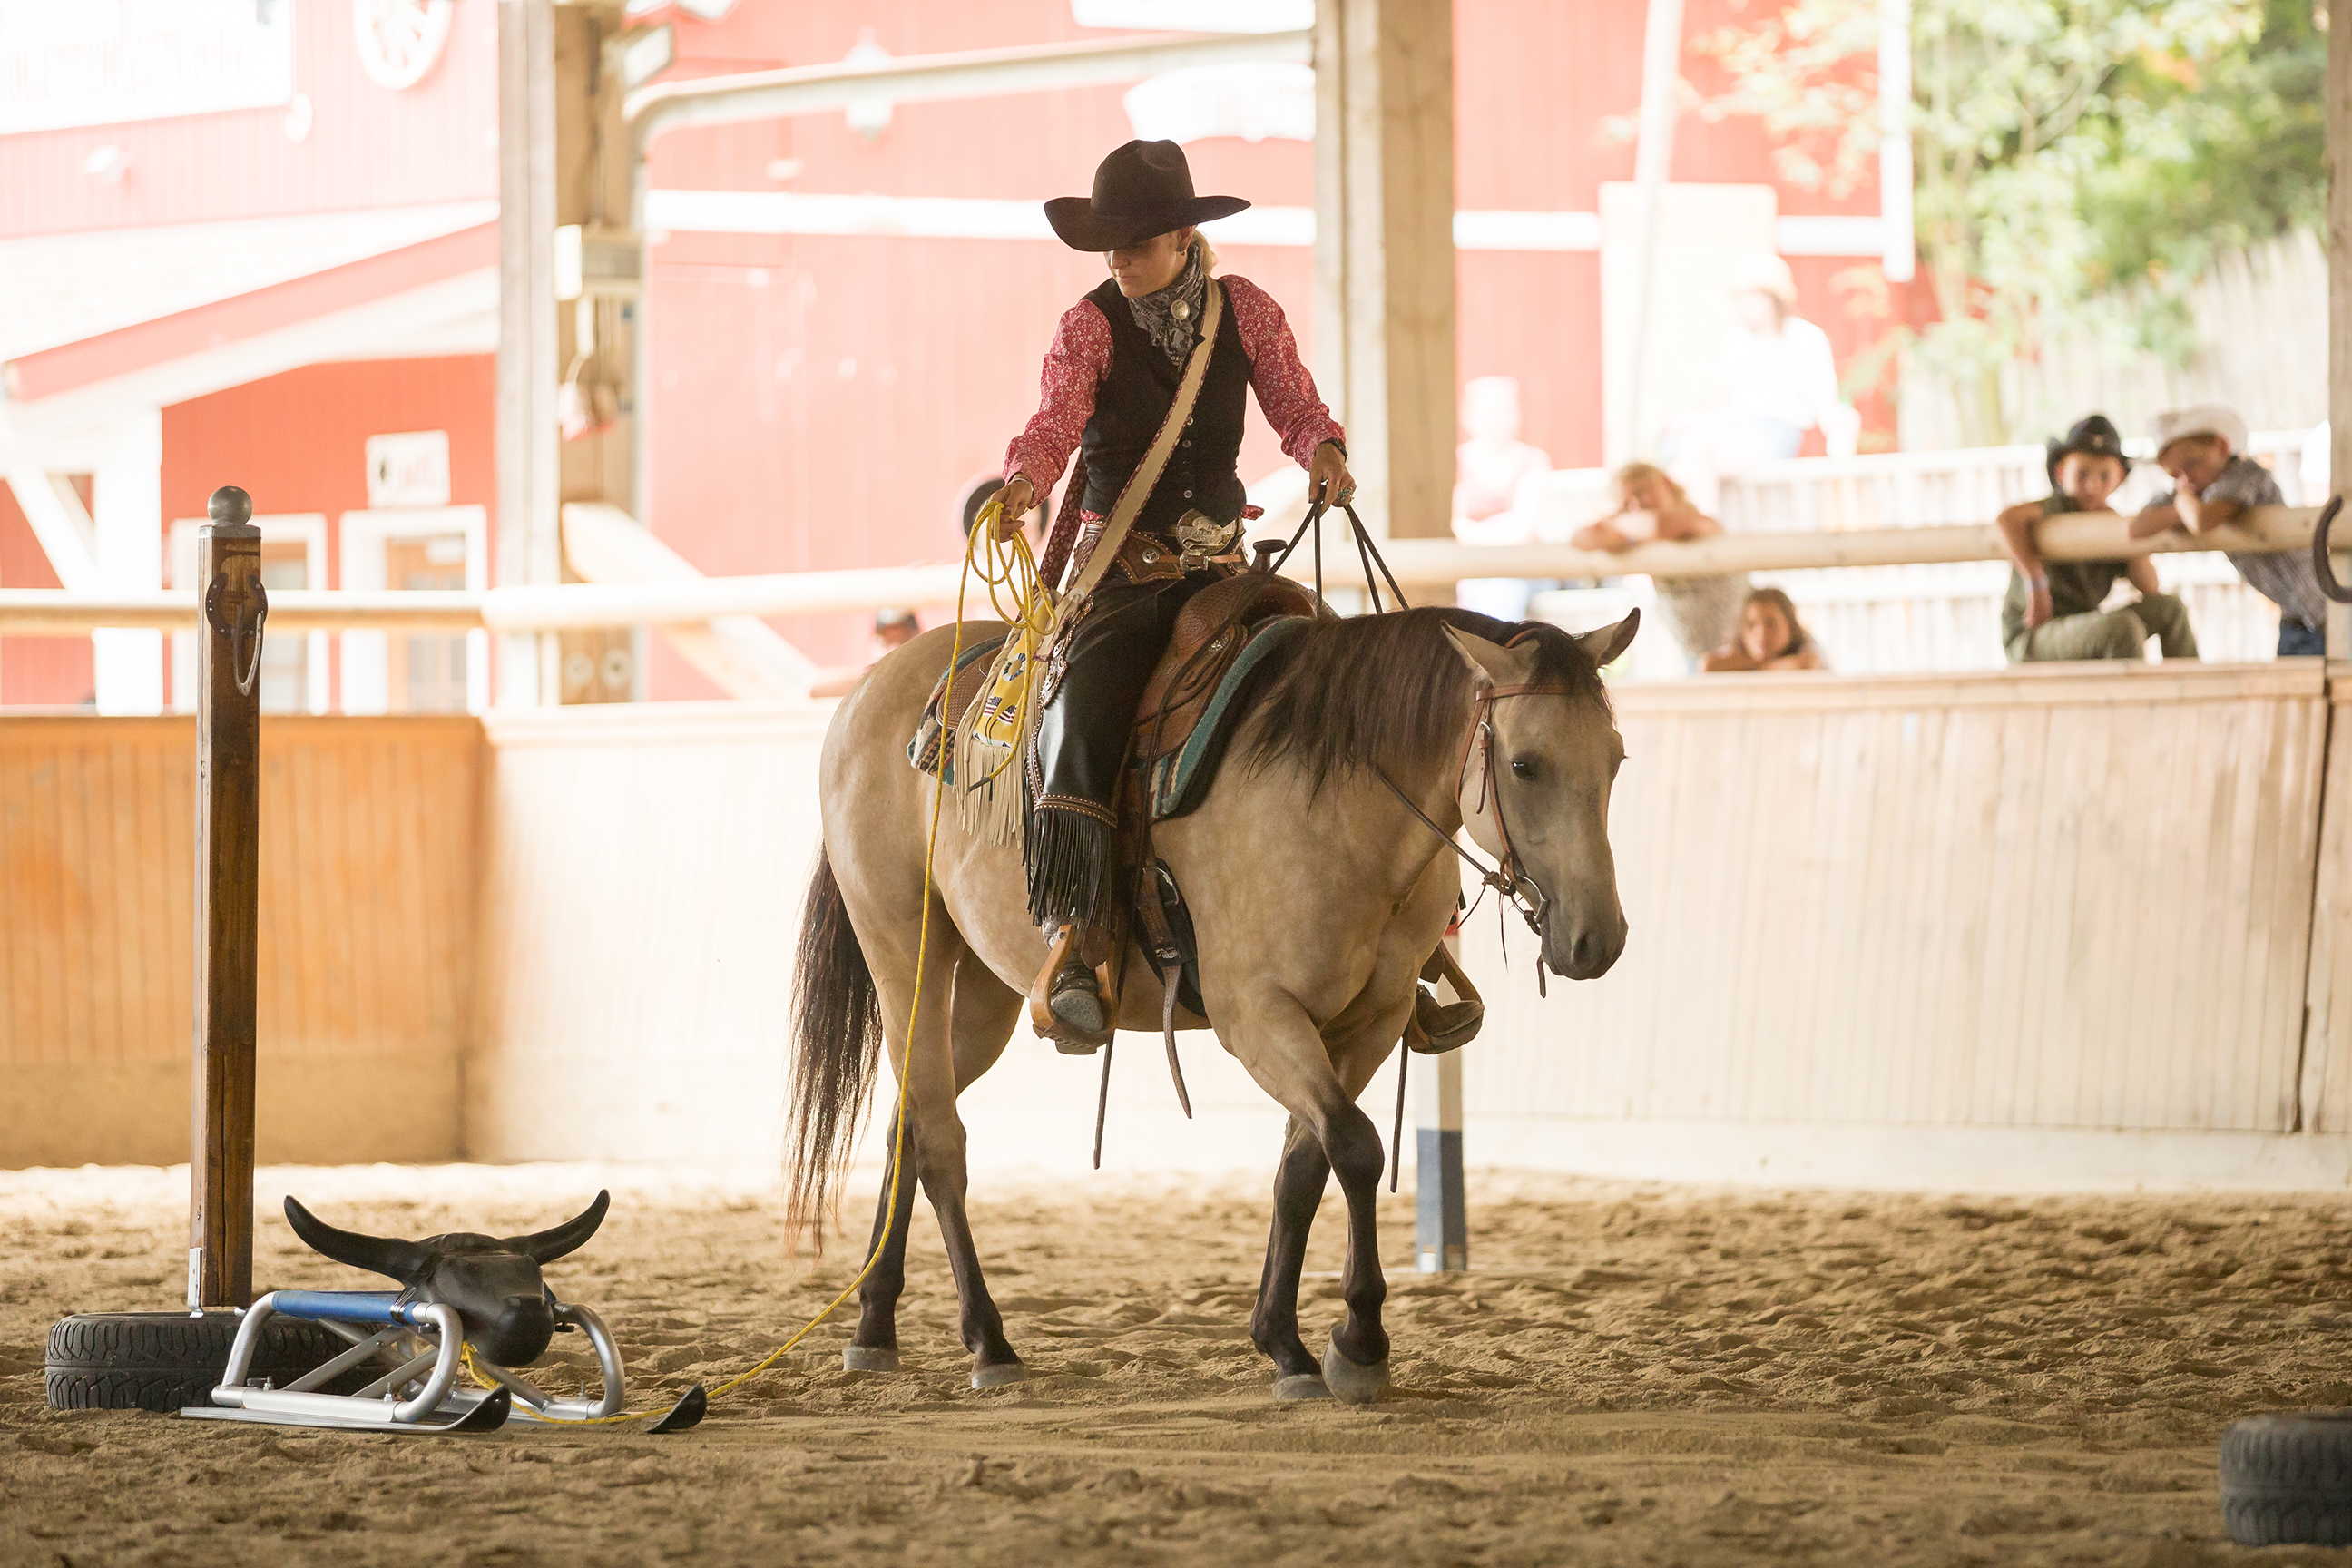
836, 1043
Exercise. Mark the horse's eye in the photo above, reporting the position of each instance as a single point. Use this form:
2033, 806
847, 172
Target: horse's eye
1523, 767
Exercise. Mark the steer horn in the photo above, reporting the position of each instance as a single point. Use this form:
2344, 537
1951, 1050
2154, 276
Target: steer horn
2319, 562
547, 1246
401, 1260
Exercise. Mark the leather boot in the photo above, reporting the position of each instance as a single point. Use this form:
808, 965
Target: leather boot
1067, 1001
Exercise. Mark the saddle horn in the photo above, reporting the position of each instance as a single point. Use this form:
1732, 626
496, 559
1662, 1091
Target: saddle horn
389, 1255
547, 1246
2320, 564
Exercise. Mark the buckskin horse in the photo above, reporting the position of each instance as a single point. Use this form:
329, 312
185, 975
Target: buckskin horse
1316, 894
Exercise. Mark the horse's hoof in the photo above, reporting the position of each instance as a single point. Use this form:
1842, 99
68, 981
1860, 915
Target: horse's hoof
999, 1376
1301, 1386
868, 1358
1352, 1383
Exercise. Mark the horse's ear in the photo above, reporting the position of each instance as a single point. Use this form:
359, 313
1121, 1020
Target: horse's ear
1606, 644
1503, 666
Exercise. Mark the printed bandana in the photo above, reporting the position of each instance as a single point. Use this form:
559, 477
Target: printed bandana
1170, 316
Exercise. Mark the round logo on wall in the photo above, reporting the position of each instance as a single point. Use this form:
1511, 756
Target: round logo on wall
399, 39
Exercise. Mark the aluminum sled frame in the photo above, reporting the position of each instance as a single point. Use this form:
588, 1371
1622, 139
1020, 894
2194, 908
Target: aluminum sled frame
420, 1344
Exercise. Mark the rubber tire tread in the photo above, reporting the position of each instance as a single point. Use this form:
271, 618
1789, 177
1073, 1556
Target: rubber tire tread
2287, 1478
169, 1361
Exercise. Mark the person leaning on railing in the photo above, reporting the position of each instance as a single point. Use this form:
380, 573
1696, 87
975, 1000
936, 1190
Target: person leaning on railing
2052, 610
2214, 483
1702, 611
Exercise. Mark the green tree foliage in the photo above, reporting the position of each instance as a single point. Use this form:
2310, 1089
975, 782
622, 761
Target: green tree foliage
2063, 148
2225, 153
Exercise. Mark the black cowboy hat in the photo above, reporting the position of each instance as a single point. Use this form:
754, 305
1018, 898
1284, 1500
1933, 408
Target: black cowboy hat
1143, 189
2094, 434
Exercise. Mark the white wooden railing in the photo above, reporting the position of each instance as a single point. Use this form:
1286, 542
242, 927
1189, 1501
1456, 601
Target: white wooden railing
1892, 619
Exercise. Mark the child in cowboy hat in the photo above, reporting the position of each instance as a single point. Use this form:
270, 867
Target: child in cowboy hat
2052, 611
1111, 383
2202, 448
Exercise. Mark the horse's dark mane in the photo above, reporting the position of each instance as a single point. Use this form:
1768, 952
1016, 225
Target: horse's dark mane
1388, 691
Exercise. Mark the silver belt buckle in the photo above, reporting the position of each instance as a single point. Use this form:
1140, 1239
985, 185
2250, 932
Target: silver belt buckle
1200, 538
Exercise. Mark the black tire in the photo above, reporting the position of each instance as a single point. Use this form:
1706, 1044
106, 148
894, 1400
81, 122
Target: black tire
168, 1361
2287, 1478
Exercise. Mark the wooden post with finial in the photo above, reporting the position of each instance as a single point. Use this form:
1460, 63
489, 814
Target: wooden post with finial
228, 879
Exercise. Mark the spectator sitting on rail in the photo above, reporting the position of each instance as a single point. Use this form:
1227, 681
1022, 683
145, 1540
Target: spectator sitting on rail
2052, 611
2201, 448
1771, 636
1702, 611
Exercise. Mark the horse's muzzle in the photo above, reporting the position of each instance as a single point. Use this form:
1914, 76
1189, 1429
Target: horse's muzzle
1585, 950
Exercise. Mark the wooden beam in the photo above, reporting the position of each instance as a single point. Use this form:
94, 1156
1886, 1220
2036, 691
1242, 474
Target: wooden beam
1653, 158
596, 336
227, 924
2339, 291
60, 523
527, 462
1384, 283
1426, 563
742, 655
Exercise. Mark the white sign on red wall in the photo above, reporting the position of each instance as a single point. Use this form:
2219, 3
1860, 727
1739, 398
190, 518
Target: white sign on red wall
103, 62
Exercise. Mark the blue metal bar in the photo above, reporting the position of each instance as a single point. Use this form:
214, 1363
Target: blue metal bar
345, 1306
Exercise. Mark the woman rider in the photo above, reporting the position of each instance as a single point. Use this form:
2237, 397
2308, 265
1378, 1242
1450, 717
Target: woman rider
1109, 380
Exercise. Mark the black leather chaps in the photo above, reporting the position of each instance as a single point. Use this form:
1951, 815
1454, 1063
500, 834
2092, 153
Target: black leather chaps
1069, 846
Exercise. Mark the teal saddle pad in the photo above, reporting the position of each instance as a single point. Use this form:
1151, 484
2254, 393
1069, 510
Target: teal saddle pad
1176, 784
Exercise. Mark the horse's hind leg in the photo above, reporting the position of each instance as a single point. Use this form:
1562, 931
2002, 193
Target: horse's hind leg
1298, 1183
981, 1018
875, 1346
984, 1011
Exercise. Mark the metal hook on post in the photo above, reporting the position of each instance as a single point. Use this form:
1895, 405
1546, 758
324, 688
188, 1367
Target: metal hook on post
245, 667
2321, 567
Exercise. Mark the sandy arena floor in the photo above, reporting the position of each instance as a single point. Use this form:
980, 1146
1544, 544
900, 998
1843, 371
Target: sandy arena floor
1629, 1375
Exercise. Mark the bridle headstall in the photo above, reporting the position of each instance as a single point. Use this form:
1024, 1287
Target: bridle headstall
1506, 877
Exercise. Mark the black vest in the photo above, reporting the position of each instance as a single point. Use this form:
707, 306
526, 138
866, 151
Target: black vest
1133, 399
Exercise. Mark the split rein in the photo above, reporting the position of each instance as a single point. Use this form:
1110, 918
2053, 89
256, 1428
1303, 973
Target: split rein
1504, 877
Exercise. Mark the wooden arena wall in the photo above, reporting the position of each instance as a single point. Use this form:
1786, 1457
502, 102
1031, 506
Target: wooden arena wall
2059, 898
370, 830
2082, 919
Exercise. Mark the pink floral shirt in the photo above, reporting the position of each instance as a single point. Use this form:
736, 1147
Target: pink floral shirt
1080, 358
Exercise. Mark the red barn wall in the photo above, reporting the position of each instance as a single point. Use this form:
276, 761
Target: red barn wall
367, 147
298, 442
36, 671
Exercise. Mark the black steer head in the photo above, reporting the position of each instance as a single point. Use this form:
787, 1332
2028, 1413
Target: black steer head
494, 1284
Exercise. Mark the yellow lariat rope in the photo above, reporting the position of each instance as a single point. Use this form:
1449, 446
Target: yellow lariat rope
1008, 570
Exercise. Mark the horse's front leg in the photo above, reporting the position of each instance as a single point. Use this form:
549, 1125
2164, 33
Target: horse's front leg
1317, 1083
1298, 1184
